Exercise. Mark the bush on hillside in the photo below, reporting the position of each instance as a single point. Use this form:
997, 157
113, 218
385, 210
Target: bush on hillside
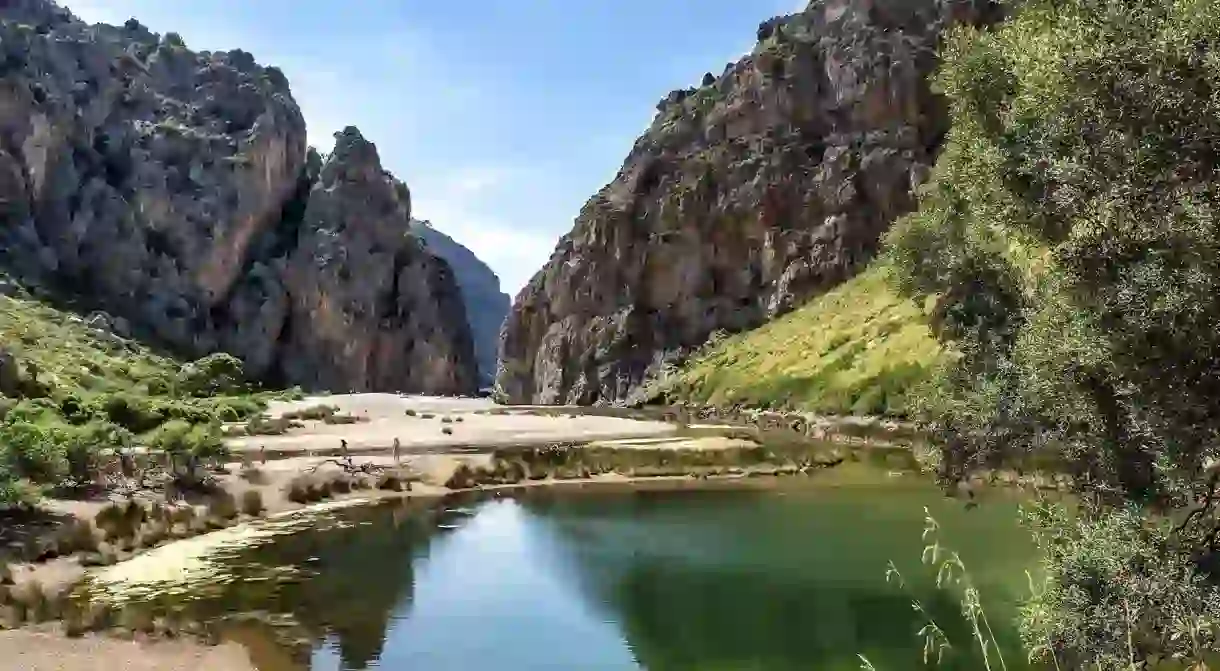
135, 413
33, 452
214, 374
86, 445
17, 493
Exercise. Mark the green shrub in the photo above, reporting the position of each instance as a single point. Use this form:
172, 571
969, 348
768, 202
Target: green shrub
159, 386
227, 414
178, 438
236, 408
212, 375
314, 412
252, 502
31, 411
73, 409
132, 412
222, 505
262, 426
86, 444
34, 452
1069, 247
78, 536
342, 419
18, 493
1116, 591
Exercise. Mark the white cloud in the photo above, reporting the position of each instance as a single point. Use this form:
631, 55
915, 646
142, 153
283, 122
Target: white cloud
463, 203
514, 254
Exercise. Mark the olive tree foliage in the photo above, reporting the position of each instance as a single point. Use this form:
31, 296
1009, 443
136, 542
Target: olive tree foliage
1071, 236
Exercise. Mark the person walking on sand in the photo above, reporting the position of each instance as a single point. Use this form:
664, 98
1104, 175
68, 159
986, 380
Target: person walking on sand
343, 447
397, 447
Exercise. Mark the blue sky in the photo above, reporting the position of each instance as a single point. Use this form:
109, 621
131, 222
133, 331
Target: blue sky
502, 116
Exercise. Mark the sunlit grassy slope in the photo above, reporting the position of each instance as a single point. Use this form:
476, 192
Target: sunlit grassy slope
71, 356
855, 350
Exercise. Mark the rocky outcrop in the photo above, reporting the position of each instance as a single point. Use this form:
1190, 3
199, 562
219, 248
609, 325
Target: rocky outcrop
370, 307
486, 305
767, 184
172, 188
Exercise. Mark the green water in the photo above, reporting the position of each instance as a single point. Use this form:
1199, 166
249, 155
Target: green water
774, 577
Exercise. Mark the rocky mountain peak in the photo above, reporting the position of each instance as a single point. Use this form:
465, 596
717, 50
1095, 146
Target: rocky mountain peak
353, 158
748, 194
174, 188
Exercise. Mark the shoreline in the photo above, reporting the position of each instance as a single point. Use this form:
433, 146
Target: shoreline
562, 451
47, 647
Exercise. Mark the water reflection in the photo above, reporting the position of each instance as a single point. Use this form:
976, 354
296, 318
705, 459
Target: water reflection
624, 580
762, 581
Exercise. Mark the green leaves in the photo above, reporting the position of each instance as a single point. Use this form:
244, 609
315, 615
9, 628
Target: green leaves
1071, 238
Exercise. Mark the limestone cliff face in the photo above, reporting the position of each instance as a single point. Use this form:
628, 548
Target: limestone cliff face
765, 185
170, 187
486, 305
371, 308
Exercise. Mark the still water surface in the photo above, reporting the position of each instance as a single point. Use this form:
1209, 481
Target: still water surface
743, 578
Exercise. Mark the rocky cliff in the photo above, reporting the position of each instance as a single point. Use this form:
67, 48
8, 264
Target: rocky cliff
763, 186
486, 305
172, 188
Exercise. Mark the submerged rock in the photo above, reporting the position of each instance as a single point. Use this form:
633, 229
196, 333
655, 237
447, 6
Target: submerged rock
762, 187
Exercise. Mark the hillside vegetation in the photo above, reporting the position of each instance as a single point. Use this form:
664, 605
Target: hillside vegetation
72, 391
858, 349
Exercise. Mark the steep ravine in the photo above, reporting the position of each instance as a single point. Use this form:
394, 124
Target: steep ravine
760, 188
486, 305
174, 190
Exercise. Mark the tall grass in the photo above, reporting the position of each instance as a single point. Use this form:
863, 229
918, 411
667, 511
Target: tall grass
951, 576
857, 349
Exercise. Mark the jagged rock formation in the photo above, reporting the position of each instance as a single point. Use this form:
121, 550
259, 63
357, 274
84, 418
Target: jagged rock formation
762, 187
486, 305
370, 307
172, 188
